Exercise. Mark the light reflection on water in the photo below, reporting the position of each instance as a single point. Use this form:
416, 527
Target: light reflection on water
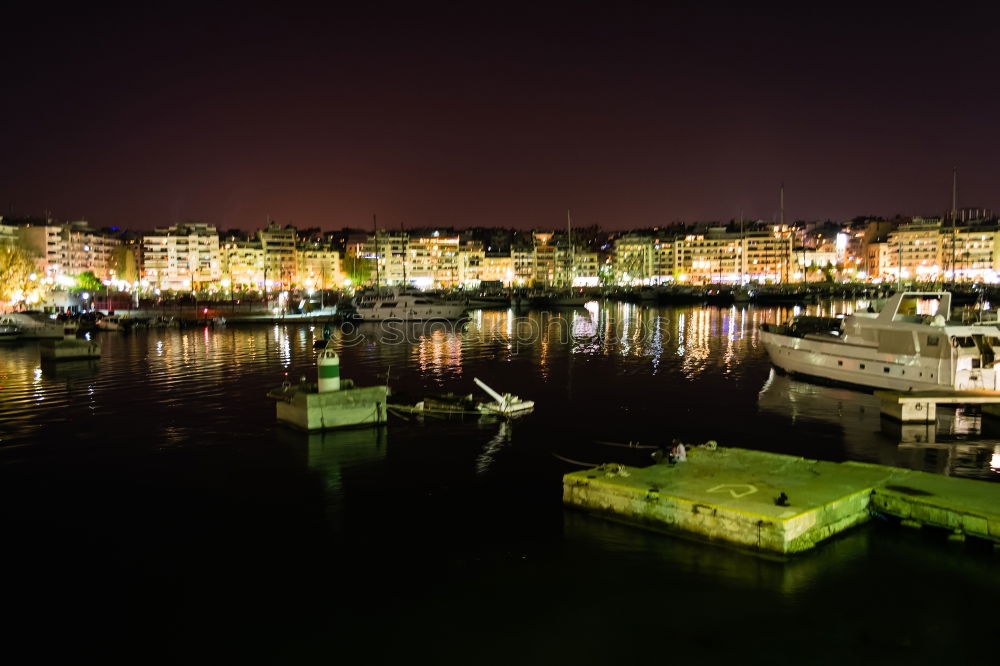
197, 511
612, 371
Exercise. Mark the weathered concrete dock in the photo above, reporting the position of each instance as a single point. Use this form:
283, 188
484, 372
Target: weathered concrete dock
308, 409
730, 495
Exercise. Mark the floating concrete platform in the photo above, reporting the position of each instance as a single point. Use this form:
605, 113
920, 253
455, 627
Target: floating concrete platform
921, 406
729, 495
68, 349
305, 408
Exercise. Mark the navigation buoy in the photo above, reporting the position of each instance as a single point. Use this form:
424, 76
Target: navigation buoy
328, 364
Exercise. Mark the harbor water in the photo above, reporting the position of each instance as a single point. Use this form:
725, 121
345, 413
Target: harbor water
153, 510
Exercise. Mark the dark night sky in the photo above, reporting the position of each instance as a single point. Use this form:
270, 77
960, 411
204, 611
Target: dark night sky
629, 114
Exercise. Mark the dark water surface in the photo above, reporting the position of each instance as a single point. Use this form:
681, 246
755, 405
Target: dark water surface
154, 512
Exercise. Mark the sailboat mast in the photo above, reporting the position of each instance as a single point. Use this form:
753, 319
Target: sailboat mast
954, 214
569, 236
403, 240
743, 253
375, 229
781, 214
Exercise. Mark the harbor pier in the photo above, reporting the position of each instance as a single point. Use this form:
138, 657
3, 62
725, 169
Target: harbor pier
776, 503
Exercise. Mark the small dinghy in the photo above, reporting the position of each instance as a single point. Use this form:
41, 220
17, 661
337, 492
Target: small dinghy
504, 405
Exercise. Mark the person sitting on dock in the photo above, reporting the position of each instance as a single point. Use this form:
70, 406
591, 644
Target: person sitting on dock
679, 453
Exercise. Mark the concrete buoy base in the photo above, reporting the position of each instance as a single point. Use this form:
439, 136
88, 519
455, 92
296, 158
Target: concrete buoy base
307, 409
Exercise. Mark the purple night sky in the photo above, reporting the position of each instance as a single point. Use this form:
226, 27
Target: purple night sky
630, 114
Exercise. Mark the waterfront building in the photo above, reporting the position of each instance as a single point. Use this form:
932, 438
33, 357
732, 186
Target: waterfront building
432, 261
876, 259
318, 266
8, 234
242, 264
633, 260
544, 258
973, 251
64, 250
498, 267
664, 261
586, 268
182, 257
715, 256
278, 245
391, 253
915, 251
522, 258
471, 257
767, 255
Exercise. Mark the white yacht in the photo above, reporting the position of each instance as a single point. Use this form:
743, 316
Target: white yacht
911, 344
39, 326
404, 305
9, 331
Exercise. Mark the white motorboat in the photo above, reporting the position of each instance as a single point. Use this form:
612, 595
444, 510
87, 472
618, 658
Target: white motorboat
39, 326
504, 405
9, 331
110, 323
911, 344
404, 305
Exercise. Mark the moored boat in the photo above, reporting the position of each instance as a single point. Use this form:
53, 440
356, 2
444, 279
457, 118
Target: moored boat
9, 331
911, 344
404, 305
39, 326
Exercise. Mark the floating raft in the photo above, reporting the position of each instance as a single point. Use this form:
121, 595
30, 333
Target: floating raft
729, 495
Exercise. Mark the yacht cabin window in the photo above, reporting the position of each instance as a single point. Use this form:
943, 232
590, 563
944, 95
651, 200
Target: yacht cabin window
914, 309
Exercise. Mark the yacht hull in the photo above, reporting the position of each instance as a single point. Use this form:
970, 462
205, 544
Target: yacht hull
430, 313
865, 366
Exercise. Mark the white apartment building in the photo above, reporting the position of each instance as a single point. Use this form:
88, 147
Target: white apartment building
498, 268
69, 249
973, 251
391, 254
915, 251
8, 234
432, 261
522, 260
242, 265
471, 257
714, 256
182, 257
280, 264
318, 266
634, 258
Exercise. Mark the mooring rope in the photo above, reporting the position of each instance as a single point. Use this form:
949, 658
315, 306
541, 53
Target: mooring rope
576, 462
630, 445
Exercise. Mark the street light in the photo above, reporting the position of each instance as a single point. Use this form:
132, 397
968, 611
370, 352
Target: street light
107, 294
